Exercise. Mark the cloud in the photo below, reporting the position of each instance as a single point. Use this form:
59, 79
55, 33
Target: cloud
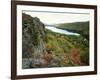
55, 18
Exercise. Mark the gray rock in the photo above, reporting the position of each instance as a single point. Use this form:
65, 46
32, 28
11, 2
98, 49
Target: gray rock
33, 36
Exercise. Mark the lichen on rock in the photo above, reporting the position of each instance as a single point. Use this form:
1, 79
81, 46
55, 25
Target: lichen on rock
33, 35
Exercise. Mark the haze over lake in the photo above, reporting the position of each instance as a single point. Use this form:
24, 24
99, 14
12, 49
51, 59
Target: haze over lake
57, 30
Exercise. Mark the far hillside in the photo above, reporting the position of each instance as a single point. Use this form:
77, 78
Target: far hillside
78, 27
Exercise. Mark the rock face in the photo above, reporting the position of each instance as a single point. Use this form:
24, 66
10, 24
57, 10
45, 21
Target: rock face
33, 36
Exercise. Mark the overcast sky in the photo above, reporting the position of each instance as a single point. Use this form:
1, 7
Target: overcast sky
56, 18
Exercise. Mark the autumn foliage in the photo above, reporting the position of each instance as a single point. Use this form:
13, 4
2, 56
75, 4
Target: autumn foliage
75, 56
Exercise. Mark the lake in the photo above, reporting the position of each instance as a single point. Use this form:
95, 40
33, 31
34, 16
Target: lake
61, 31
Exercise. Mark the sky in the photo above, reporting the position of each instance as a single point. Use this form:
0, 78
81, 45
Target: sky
57, 17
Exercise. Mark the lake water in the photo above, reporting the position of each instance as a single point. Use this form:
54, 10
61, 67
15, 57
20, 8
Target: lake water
61, 31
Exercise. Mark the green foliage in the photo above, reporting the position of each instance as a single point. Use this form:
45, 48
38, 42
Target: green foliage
85, 56
57, 43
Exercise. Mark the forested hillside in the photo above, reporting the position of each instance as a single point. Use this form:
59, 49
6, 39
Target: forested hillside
79, 27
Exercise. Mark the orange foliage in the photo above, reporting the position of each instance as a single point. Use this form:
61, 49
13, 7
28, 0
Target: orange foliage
46, 58
48, 46
75, 56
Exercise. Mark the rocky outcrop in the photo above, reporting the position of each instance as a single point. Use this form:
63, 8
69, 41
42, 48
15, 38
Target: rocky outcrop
33, 36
